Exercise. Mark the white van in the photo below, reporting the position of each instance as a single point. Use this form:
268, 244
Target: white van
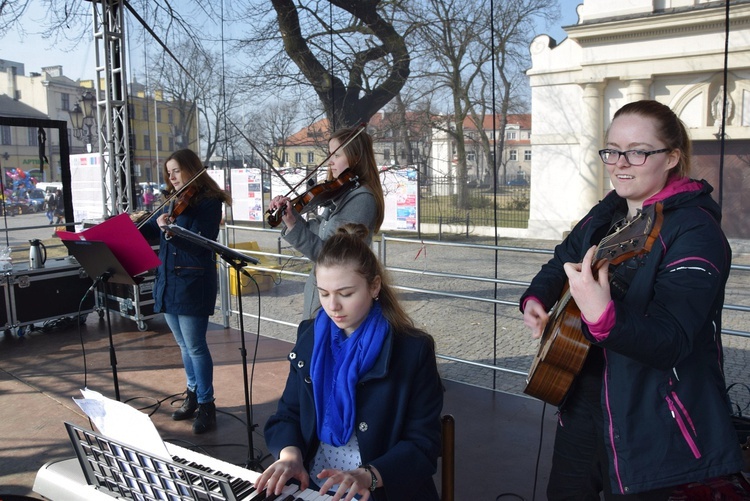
49, 187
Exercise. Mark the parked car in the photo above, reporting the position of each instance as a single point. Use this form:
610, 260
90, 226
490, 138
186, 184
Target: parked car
49, 187
34, 200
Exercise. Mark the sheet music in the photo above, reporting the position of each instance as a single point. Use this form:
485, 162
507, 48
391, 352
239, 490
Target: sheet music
123, 423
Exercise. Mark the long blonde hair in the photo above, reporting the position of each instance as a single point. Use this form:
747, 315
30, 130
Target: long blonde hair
348, 246
361, 159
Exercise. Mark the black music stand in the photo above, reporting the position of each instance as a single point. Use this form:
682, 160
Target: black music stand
238, 261
103, 267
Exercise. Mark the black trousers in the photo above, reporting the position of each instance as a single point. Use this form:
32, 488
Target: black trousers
580, 470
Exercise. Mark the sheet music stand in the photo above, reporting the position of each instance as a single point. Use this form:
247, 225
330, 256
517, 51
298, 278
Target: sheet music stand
128, 472
238, 261
103, 266
99, 261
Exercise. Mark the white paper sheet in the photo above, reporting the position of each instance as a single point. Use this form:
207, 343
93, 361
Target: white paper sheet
120, 422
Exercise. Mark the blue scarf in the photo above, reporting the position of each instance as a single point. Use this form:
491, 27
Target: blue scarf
337, 364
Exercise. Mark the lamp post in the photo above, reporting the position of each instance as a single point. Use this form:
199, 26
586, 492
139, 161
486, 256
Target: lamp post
83, 115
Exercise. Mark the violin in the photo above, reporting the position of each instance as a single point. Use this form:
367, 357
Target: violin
316, 196
178, 205
323, 192
171, 200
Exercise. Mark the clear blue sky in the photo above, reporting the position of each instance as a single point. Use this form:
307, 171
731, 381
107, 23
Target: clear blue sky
568, 16
35, 52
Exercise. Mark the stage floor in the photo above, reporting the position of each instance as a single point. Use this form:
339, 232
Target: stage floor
498, 451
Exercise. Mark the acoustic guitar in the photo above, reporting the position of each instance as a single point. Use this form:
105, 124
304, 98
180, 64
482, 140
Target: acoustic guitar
563, 347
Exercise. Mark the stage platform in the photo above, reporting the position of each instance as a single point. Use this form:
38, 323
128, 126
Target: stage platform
499, 453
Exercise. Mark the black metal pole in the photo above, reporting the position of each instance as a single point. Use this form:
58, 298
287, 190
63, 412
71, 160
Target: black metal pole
112, 355
251, 462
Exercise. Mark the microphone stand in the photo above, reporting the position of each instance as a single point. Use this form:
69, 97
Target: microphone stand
103, 280
251, 461
238, 261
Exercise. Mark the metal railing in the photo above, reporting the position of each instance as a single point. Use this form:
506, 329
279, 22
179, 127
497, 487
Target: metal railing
466, 295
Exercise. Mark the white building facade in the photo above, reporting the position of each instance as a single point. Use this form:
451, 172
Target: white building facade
668, 50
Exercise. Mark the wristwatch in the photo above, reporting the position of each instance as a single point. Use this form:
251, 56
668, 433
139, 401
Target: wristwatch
374, 484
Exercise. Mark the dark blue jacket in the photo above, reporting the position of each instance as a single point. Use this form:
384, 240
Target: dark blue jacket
666, 414
397, 421
186, 280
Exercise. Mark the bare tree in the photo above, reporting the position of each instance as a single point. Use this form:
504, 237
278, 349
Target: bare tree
502, 83
269, 128
361, 45
347, 51
11, 12
451, 30
195, 82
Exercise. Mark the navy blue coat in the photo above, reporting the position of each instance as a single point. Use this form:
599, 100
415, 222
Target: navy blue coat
186, 280
666, 414
397, 420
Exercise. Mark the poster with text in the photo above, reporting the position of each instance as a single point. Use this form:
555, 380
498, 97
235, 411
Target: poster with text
218, 176
400, 191
247, 195
87, 187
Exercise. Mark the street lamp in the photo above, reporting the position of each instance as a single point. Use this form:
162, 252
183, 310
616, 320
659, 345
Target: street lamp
82, 115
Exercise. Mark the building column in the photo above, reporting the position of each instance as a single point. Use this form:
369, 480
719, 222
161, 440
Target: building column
638, 89
592, 139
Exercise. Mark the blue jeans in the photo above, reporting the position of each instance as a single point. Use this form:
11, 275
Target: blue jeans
190, 333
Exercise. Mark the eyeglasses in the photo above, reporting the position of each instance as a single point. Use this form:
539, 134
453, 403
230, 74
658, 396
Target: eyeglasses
634, 157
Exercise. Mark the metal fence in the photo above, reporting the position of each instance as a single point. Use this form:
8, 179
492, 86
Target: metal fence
484, 205
466, 295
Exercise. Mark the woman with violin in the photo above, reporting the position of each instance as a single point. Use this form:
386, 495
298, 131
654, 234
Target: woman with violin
186, 281
352, 194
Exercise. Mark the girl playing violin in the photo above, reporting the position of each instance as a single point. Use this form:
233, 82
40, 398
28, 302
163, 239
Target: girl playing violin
364, 204
185, 286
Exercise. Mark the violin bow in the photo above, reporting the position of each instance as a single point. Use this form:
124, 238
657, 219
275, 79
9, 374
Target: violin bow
170, 198
361, 127
268, 161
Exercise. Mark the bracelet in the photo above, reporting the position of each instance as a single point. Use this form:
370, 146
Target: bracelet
368, 468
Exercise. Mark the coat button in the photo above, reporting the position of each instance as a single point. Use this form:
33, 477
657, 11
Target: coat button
308, 380
301, 364
363, 426
292, 355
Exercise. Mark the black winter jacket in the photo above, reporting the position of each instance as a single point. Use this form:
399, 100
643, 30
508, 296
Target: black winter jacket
186, 281
398, 414
666, 413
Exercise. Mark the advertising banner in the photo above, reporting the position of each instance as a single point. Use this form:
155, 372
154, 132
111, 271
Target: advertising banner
400, 190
